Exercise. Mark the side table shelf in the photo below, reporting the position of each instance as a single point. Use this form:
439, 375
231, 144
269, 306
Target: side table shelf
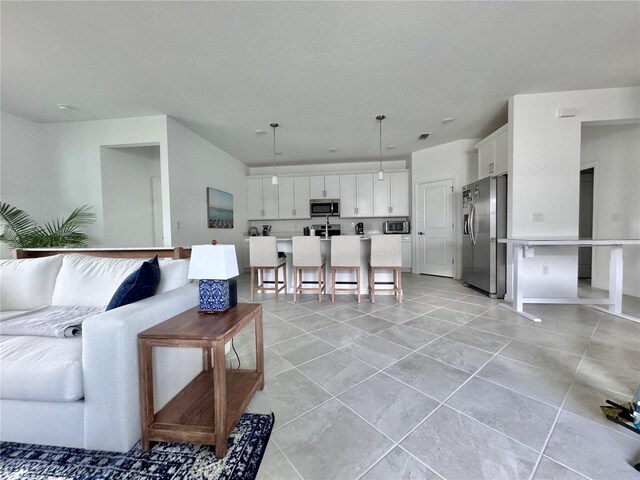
209, 407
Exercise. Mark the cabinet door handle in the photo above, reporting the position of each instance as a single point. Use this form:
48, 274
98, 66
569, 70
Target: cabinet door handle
491, 167
294, 212
390, 209
324, 193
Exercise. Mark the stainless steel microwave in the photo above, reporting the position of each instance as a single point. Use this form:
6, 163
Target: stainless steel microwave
396, 226
324, 208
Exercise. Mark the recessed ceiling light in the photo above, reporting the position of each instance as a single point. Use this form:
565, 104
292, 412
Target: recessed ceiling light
446, 120
333, 150
62, 106
260, 132
390, 147
423, 136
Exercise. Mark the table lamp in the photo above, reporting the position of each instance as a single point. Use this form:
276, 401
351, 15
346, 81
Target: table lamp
215, 266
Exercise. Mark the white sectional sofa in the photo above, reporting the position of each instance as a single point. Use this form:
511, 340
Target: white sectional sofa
83, 391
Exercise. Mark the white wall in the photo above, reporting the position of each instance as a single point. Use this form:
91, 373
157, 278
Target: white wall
196, 164
330, 168
73, 149
457, 160
24, 169
614, 150
544, 172
127, 195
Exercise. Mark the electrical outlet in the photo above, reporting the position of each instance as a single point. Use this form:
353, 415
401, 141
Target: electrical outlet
537, 217
353, 224
544, 269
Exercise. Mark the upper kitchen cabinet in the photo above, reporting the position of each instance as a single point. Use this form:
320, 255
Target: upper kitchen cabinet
493, 153
391, 195
356, 195
324, 186
262, 199
293, 197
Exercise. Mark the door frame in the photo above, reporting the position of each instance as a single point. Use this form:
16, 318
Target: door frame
414, 209
594, 219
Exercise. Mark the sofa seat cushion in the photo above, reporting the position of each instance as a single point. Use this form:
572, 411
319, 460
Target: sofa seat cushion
28, 283
41, 368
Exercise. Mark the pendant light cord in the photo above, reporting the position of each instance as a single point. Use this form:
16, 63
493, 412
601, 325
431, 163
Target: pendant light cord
380, 118
274, 126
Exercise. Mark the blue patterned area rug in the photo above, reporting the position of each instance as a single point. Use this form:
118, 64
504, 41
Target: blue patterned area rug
173, 461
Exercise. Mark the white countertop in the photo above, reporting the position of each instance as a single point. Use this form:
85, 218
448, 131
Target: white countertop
569, 241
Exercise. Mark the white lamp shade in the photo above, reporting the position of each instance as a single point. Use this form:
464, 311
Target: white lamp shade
213, 262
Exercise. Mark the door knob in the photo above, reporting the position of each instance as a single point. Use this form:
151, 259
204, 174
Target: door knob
420, 233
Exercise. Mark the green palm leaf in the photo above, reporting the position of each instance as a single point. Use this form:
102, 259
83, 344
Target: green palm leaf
23, 232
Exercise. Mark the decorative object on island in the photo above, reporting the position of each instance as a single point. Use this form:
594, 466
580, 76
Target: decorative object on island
215, 266
380, 171
219, 209
21, 231
274, 178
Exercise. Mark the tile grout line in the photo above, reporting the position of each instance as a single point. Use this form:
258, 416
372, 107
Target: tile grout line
561, 409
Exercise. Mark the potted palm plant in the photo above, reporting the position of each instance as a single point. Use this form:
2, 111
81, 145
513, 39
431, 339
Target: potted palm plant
21, 231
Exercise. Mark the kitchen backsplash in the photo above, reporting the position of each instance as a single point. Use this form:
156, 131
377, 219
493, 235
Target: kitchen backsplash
347, 225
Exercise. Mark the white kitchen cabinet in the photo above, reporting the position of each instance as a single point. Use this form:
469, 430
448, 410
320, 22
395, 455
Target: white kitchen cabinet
293, 197
391, 195
254, 199
262, 199
493, 153
356, 195
324, 186
407, 254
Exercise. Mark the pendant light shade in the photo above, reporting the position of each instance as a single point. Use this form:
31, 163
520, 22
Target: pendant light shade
380, 171
274, 177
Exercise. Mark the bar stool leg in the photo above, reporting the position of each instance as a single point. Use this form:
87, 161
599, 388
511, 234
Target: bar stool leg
275, 271
320, 285
358, 284
399, 285
284, 272
372, 285
295, 284
253, 269
333, 285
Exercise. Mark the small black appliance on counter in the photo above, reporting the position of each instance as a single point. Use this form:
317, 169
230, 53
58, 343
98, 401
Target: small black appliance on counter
359, 228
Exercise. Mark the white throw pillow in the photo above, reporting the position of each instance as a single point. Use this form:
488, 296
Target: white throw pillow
173, 274
91, 281
28, 283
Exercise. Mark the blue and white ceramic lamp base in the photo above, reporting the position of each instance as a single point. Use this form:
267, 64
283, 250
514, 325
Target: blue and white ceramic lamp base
217, 296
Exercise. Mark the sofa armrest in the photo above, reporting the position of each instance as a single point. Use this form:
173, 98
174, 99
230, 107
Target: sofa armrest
110, 367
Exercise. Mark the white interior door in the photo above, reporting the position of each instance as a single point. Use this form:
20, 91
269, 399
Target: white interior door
434, 228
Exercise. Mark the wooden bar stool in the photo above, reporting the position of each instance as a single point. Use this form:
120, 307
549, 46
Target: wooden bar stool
307, 256
386, 254
263, 255
345, 255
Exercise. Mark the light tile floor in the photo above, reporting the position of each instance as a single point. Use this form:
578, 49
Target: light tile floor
447, 385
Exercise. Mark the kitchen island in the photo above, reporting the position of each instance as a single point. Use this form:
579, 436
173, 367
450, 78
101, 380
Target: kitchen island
348, 278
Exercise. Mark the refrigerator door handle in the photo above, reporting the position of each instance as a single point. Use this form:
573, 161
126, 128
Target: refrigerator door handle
472, 217
465, 228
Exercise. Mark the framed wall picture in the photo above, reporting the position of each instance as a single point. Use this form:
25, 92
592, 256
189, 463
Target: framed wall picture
219, 209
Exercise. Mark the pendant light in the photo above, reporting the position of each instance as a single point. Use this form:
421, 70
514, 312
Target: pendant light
274, 177
380, 172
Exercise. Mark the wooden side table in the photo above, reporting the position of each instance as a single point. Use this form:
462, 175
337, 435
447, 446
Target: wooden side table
209, 407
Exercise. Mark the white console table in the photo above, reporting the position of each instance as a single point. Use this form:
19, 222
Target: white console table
523, 249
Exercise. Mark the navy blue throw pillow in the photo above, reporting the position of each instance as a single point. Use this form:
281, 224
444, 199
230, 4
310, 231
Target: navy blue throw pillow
139, 285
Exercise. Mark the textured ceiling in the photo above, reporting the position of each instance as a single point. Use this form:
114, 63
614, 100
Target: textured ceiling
323, 70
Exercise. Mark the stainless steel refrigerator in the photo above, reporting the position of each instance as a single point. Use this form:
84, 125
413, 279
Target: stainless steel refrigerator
484, 210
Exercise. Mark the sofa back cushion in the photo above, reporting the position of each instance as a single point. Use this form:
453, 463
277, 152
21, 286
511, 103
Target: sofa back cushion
28, 283
173, 274
89, 281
